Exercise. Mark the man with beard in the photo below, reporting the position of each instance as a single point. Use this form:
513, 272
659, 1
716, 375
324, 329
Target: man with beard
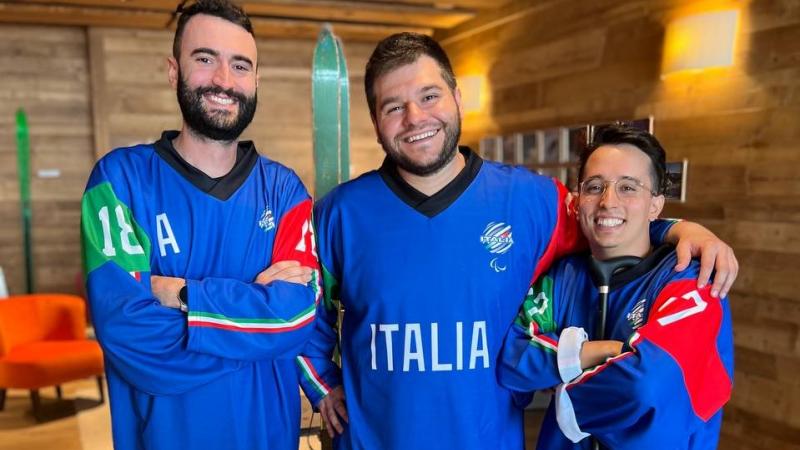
200, 261
430, 257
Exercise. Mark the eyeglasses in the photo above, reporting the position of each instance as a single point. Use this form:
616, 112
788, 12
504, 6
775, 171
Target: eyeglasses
625, 187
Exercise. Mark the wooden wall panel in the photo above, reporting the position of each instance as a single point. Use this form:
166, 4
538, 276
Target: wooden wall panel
739, 127
44, 71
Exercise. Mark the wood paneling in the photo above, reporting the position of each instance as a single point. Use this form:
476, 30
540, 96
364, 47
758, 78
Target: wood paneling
323, 10
111, 15
45, 72
560, 62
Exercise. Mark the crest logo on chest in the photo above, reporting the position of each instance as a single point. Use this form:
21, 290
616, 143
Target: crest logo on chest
267, 221
636, 315
497, 237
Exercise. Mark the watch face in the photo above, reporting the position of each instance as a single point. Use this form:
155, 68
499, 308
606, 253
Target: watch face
182, 297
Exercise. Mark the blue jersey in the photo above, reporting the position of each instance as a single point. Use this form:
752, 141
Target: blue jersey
429, 286
667, 387
223, 375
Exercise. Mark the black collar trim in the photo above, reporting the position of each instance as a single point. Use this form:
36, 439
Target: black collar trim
221, 188
647, 264
438, 202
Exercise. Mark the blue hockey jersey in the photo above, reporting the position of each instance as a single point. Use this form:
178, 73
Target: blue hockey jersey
667, 387
224, 375
429, 286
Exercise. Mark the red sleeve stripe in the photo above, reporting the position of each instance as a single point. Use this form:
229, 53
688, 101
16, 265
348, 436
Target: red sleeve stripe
566, 238
311, 375
542, 339
295, 237
219, 321
588, 374
684, 322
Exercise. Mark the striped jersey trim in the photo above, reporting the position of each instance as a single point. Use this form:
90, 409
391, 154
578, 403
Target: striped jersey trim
632, 342
540, 339
588, 374
211, 320
312, 376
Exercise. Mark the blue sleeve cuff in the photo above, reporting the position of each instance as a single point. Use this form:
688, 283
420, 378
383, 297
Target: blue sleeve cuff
659, 229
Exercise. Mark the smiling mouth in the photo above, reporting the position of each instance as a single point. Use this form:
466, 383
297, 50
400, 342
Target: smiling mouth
609, 222
220, 100
421, 136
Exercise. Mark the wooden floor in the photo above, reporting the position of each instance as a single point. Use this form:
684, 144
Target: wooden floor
79, 422
86, 426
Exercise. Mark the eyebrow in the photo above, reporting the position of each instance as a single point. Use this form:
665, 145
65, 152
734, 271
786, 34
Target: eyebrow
428, 88
212, 52
431, 87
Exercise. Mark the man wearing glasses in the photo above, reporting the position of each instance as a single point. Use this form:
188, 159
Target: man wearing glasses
660, 370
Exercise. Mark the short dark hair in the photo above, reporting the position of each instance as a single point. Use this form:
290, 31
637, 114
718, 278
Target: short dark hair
623, 134
224, 9
399, 50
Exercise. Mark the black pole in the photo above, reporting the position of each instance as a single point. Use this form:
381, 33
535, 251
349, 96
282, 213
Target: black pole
601, 272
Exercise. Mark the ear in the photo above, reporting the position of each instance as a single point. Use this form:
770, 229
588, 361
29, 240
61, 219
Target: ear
571, 203
656, 205
457, 97
173, 71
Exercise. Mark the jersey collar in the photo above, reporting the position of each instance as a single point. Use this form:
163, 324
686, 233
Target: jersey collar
221, 188
438, 202
649, 263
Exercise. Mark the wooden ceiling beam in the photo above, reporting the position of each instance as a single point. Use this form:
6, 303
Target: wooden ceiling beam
323, 10
480, 5
68, 15
361, 12
113, 17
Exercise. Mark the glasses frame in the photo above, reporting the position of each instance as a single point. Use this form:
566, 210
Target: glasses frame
606, 183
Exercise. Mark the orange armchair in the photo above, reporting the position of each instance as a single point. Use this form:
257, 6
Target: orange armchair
43, 343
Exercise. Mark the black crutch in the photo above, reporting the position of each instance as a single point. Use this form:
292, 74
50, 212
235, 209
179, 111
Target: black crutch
602, 271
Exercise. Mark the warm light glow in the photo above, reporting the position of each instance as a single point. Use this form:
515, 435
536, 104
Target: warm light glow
472, 89
700, 42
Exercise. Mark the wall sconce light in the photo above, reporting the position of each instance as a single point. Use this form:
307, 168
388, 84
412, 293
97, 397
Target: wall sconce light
471, 87
700, 41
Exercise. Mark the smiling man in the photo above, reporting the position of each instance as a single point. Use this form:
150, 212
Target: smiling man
200, 261
664, 369
430, 257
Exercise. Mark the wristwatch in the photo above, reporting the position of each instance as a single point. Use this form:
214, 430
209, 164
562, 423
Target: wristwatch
182, 298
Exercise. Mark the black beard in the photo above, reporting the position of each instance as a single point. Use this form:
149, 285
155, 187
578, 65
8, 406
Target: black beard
452, 134
212, 125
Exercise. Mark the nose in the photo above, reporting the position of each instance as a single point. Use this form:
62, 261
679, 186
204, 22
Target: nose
413, 114
222, 76
609, 196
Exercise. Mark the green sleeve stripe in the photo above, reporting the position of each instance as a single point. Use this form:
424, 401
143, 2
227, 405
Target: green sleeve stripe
538, 306
109, 232
300, 317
